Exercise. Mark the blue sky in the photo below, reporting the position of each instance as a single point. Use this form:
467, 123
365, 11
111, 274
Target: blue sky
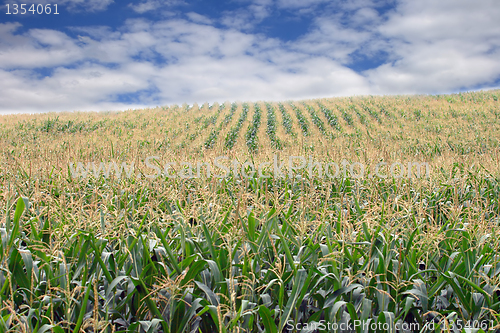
117, 55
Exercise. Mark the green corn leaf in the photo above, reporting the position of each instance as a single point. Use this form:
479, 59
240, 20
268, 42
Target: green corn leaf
212, 297
170, 254
143, 293
295, 297
14, 233
193, 270
267, 320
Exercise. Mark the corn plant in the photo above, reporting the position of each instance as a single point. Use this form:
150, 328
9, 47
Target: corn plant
104, 253
212, 137
212, 120
251, 134
384, 111
287, 120
232, 136
303, 122
271, 127
331, 118
346, 115
230, 115
362, 117
372, 113
190, 275
317, 121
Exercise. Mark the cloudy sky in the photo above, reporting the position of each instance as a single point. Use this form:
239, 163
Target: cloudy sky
115, 55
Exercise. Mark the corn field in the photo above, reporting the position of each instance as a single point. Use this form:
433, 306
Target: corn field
298, 253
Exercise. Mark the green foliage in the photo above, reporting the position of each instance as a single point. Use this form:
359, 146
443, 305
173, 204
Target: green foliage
228, 117
55, 126
331, 118
303, 122
372, 112
316, 119
187, 276
362, 117
346, 115
103, 254
383, 110
232, 136
212, 137
287, 120
251, 135
272, 124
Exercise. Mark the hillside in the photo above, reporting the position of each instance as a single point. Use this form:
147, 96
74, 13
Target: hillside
89, 247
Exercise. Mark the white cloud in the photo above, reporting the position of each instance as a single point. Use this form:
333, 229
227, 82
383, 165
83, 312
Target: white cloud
85, 88
203, 64
146, 6
253, 12
430, 20
332, 39
440, 47
365, 16
343, 29
197, 18
246, 18
37, 48
430, 48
